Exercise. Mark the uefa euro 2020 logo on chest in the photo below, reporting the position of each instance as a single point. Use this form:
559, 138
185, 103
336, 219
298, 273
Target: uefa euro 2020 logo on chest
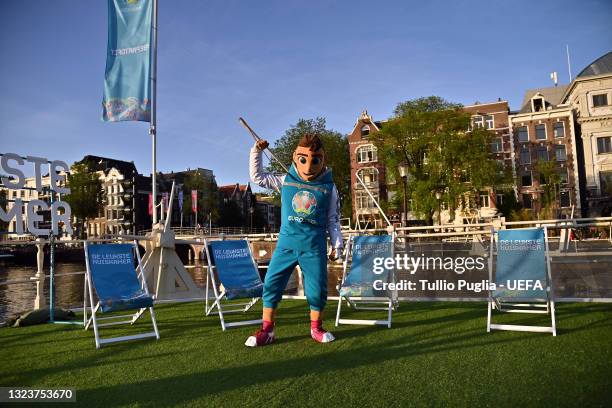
304, 203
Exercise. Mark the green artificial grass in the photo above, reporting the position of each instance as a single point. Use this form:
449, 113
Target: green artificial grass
436, 354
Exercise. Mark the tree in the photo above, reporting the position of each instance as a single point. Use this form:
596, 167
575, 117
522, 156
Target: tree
549, 182
86, 195
336, 153
434, 139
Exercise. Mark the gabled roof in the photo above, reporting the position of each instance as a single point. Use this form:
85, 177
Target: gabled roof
552, 97
231, 189
104, 164
602, 65
366, 120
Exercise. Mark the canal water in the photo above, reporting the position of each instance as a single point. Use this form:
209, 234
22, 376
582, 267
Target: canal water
18, 298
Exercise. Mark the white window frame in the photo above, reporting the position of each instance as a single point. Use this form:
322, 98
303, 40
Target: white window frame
609, 144
374, 171
500, 144
362, 149
528, 149
593, 95
492, 120
530, 177
362, 197
563, 126
545, 131
564, 152
485, 200
478, 121
518, 134
363, 130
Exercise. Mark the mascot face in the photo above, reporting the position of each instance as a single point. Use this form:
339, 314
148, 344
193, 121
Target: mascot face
309, 164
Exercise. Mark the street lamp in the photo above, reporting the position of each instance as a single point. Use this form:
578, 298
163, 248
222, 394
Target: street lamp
439, 197
403, 173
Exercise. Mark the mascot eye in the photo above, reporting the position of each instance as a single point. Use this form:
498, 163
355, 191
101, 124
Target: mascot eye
302, 160
316, 160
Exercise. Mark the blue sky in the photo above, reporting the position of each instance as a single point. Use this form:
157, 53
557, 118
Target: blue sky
274, 62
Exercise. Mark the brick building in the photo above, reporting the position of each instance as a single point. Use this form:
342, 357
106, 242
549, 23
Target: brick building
543, 131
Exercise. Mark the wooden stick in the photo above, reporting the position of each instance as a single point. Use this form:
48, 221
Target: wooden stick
257, 139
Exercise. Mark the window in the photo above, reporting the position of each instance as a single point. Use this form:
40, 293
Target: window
527, 200
525, 156
369, 175
497, 145
559, 129
540, 131
563, 179
499, 199
564, 199
526, 180
364, 201
478, 121
542, 154
542, 179
484, 200
489, 124
605, 179
523, 134
538, 104
560, 153
367, 154
600, 100
365, 130
604, 145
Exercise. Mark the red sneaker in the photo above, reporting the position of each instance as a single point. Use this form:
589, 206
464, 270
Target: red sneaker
319, 334
260, 338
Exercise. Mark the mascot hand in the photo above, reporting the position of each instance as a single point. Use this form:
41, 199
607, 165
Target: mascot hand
262, 144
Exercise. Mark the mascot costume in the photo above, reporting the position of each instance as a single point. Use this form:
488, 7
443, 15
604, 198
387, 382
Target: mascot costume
309, 212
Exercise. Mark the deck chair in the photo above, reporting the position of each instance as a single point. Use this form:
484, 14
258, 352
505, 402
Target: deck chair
522, 278
118, 286
357, 286
237, 271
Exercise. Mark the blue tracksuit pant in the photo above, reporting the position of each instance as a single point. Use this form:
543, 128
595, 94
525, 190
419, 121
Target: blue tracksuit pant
313, 263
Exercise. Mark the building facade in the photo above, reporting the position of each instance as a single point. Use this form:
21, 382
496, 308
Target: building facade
494, 117
590, 97
366, 165
545, 140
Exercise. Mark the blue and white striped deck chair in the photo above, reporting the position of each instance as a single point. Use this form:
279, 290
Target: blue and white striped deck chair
238, 278
118, 286
361, 286
522, 278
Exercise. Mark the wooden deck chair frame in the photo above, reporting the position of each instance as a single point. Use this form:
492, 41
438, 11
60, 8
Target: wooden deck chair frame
93, 320
538, 306
218, 307
388, 304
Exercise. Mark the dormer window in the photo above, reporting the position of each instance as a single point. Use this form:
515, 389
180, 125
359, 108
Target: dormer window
537, 104
365, 130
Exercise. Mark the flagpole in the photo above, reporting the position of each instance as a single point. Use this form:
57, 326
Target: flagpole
153, 124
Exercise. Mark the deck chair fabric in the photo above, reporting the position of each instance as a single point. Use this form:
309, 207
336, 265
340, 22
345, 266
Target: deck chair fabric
238, 278
523, 282
357, 286
118, 286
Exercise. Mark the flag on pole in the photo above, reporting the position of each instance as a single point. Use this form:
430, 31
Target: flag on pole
194, 201
180, 200
127, 85
150, 203
165, 198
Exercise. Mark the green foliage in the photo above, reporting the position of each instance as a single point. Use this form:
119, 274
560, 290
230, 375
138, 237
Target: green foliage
430, 136
86, 194
336, 153
208, 198
548, 174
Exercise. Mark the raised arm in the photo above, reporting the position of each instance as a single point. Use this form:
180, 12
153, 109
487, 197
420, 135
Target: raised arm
258, 176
